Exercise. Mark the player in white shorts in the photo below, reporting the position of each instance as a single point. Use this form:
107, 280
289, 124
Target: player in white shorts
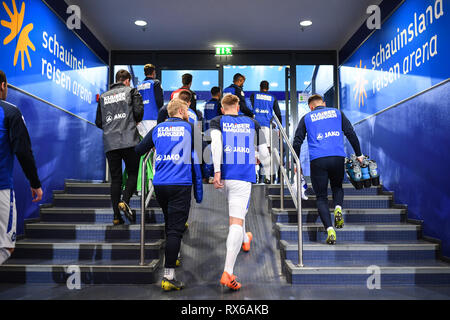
233, 150
8, 216
14, 140
152, 95
265, 106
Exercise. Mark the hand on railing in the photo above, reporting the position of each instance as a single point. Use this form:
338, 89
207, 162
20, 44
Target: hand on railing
301, 170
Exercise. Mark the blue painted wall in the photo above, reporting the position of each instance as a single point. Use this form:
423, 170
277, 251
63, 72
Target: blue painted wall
64, 146
410, 141
411, 145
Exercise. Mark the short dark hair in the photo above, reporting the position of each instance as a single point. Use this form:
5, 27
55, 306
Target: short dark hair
122, 75
185, 95
148, 69
186, 79
264, 85
315, 97
2, 77
237, 76
215, 91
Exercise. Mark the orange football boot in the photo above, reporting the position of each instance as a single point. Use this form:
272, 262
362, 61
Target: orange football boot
246, 245
230, 281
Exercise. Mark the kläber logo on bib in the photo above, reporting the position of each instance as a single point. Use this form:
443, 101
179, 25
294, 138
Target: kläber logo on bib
15, 26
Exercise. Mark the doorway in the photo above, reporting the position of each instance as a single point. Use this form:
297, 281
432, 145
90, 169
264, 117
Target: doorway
202, 82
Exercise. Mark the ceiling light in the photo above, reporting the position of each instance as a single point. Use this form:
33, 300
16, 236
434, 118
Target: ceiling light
140, 23
305, 23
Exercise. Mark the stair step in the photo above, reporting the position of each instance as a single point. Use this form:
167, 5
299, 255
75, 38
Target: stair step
92, 272
313, 232
350, 197
432, 274
94, 215
370, 252
93, 200
350, 215
348, 190
355, 202
98, 231
366, 264
87, 188
85, 250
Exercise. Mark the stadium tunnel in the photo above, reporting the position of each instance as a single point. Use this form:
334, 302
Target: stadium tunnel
389, 81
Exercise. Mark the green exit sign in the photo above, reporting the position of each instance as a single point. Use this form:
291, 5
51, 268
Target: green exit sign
224, 50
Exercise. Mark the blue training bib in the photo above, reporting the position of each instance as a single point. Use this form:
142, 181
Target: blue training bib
173, 144
325, 135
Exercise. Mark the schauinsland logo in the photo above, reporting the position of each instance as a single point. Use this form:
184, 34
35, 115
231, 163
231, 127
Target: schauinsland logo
360, 84
15, 27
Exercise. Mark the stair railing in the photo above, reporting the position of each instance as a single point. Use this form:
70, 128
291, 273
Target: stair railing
284, 178
145, 200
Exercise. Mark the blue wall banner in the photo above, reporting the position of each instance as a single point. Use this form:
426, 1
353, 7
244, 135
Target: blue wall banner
64, 147
40, 55
406, 56
403, 71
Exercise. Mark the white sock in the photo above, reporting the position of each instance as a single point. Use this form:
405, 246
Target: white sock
4, 255
245, 239
338, 207
234, 242
169, 273
330, 228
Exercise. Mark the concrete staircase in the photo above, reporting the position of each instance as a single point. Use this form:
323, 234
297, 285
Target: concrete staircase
376, 233
77, 230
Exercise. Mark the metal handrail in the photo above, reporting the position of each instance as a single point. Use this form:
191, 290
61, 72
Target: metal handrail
144, 203
285, 178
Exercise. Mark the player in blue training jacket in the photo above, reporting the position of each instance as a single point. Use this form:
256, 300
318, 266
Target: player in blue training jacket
212, 110
177, 169
153, 97
236, 88
14, 140
265, 105
234, 157
325, 128
212, 107
186, 96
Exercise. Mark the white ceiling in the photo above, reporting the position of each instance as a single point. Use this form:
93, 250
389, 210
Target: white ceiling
247, 24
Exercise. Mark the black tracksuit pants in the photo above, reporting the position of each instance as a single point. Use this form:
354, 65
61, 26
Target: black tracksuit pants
322, 170
131, 160
175, 202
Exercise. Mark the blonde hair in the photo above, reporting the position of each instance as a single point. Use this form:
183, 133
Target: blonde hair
229, 100
174, 106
